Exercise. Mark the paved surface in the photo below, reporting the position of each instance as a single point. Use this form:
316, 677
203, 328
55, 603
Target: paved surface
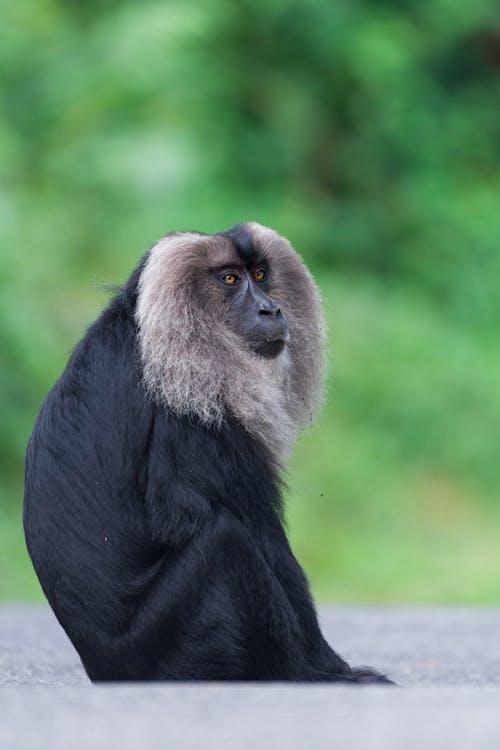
448, 658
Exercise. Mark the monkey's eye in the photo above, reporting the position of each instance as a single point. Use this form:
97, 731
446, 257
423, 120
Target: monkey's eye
230, 279
259, 274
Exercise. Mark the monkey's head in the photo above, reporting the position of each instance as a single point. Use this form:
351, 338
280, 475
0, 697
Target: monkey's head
231, 324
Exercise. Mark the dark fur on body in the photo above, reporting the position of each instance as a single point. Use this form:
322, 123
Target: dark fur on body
158, 537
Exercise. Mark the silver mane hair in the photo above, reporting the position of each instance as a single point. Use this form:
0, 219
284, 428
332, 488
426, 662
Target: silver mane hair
194, 364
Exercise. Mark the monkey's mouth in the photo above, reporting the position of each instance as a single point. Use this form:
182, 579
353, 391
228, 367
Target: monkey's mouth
270, 348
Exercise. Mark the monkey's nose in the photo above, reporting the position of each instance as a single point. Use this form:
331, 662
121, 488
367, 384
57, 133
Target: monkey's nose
269, 308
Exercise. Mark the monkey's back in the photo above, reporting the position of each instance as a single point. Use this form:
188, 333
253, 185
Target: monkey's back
117, 486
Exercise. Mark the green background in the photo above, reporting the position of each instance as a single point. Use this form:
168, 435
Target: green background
369, 134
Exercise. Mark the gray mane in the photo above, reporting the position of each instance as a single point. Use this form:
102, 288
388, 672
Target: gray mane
194, 364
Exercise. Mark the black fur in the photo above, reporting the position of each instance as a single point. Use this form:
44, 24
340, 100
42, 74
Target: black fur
242, 240
158, 542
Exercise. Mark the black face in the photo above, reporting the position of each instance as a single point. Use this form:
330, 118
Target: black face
253, 314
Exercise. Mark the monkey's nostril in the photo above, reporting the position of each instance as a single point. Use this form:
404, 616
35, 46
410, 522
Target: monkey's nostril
273, 311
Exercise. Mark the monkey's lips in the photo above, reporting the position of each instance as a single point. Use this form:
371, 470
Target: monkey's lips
270, 348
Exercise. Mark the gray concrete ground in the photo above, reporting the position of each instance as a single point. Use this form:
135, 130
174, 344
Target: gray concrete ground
447, 658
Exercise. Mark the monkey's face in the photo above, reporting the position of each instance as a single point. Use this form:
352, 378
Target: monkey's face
253, 315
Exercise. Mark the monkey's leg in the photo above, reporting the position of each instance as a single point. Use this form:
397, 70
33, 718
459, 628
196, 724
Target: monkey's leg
215, 610
241, 623
255, 624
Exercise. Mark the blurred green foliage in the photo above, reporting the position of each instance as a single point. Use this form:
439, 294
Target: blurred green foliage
369, 134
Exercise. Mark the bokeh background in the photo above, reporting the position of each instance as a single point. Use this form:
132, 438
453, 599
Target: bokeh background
366, 132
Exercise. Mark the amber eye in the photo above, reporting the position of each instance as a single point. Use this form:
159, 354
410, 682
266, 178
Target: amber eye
259, 274
229, 278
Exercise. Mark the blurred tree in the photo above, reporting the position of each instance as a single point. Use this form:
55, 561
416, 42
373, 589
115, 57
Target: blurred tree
369, 133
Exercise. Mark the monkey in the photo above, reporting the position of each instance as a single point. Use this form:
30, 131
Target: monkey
153, 509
